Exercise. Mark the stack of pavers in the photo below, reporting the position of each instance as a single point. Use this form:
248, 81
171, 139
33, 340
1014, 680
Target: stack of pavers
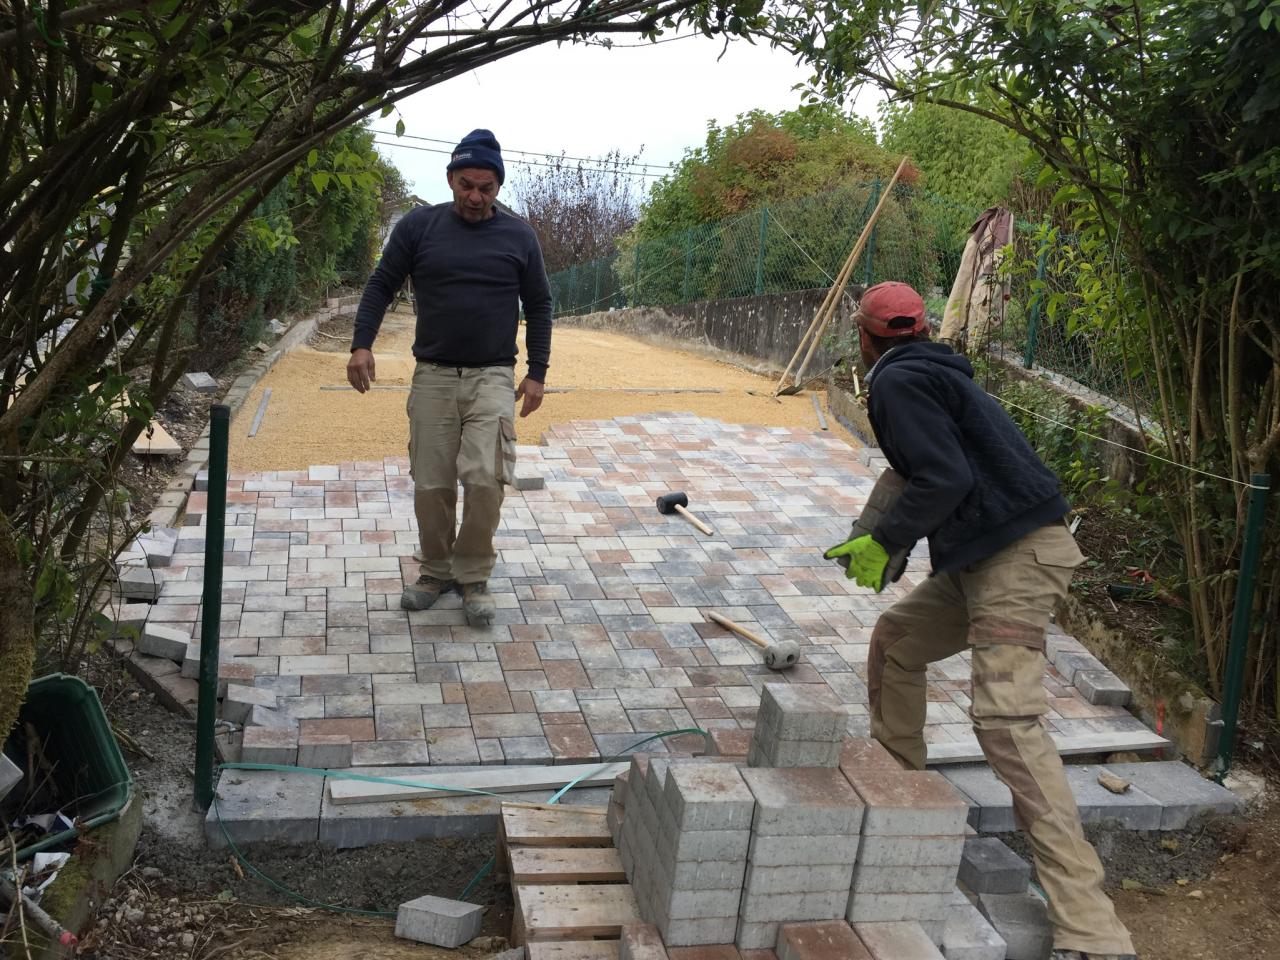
816, 827
912, 841
683, 841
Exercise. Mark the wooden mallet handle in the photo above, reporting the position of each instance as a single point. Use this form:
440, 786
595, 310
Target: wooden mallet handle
740, 631
694, 520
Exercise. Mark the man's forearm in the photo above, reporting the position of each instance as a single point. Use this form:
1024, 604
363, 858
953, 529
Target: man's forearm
537, 341
377, 296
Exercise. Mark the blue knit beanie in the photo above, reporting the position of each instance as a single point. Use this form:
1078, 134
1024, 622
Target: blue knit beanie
479, 148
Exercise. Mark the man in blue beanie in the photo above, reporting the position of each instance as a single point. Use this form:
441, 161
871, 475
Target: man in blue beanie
472, 267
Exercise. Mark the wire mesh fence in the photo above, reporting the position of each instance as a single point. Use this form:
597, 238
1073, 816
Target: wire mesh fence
919, 239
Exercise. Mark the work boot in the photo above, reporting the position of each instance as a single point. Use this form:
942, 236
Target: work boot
1078, 955
477, 603
423, 594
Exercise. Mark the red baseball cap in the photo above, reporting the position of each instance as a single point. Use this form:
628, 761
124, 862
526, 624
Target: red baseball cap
891, 309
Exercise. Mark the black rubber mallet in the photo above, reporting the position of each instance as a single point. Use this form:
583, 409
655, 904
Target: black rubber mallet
675, 502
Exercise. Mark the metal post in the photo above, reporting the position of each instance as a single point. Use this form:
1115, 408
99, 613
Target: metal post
573, 288
635, 284
595, 295
688, 264
1037, 298
1241, 618
764, 227
871, 240
211, 601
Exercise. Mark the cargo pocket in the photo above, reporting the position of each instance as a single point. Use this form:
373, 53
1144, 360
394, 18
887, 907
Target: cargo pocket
1008, 678
506, 453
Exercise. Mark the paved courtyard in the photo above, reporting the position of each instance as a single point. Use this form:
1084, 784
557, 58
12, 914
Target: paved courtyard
602, 635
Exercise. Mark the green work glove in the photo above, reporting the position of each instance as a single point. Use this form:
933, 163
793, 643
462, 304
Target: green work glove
867, 560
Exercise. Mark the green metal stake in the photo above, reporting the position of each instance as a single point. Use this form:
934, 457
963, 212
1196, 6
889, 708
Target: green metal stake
635, 287
764, 228
595, 295
871, 240
211, 602
573, 289
1033, 322
1241, 617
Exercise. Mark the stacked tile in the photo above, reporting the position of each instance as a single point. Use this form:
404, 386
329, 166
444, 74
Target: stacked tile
804, 840
912, 841
798, 725
688, 848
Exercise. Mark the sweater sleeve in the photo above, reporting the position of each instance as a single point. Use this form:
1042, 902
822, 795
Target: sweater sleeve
387, 278
918, 427
535, 295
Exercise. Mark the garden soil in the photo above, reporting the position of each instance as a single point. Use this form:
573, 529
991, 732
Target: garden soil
306, 424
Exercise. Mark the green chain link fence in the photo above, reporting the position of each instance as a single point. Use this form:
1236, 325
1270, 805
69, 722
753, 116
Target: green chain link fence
919, 239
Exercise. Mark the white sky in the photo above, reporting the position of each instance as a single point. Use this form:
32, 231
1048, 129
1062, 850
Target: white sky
586, 101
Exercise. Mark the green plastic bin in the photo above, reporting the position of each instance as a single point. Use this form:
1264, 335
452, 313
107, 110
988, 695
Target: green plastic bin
68, 715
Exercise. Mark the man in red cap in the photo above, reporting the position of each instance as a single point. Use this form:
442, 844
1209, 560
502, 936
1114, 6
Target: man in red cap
1002, 560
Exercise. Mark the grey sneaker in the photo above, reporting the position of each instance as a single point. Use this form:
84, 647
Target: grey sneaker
423, 594
477, 603
1078, 955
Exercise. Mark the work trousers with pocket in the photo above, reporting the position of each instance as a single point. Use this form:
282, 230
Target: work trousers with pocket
999, 608
461, 429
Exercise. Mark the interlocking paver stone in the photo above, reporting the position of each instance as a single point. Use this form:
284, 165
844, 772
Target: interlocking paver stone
602, 602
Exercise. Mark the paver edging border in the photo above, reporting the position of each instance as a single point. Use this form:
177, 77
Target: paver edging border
166, 515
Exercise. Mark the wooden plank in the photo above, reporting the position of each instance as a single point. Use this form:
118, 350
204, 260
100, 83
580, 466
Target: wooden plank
566, 865
573, 950
498, 779
565, 827
575, 912
159, 444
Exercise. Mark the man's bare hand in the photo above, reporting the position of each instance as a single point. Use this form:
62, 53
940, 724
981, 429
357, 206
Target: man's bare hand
360, 370
531, 390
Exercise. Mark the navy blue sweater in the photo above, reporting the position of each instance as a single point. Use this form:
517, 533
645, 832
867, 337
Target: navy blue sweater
974, 484
469, 280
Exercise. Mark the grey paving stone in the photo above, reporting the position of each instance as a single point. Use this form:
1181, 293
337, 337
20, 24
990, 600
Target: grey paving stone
988, 866
200, 381
170, 643
969, 936
262, 805
1022, 921
437, 921
139, 583
991, 803
1181, 791
1103, 687
1133, 809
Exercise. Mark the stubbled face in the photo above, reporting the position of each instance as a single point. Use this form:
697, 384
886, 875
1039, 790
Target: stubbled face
869, 352
474, 190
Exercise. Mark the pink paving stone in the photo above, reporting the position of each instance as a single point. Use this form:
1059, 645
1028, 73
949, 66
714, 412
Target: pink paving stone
828, 940
355, 728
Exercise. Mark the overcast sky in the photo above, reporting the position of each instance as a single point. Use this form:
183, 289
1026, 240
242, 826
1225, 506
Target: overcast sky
586, 101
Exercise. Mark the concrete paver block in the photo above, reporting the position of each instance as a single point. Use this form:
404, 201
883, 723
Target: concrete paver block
200, 381
910, 851
326, 751
829, 940
269, 745
895, 879
988, 866
256, 805
239, 701
1181, 791
139, 583
528, 478
708, 796
261, 715
910, 803
803, 802
783, 851
859, 752
161, 641
793, 753
721, 951
800, 712
1133, 809
641, 941
701, 933
127, 619
992, 803
889, 907
1103, 687
896, 941
437, 921
10, 776
1022, 921
968, 935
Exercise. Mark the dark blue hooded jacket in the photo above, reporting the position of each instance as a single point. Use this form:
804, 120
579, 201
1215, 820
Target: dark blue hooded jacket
974, 485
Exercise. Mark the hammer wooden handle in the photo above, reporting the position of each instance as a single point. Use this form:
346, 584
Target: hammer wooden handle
694, 520
740, 631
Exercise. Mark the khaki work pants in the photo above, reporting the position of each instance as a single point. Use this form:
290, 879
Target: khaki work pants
1000, 607
461, 428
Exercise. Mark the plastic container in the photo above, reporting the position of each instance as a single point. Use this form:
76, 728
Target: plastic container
88, 766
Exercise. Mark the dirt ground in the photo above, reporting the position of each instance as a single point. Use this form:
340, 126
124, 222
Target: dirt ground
307, 422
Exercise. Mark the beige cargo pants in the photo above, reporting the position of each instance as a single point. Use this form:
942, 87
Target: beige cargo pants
461, 428
1000, 607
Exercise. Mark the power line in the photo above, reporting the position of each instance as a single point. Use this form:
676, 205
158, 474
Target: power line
527, 163
665, 168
